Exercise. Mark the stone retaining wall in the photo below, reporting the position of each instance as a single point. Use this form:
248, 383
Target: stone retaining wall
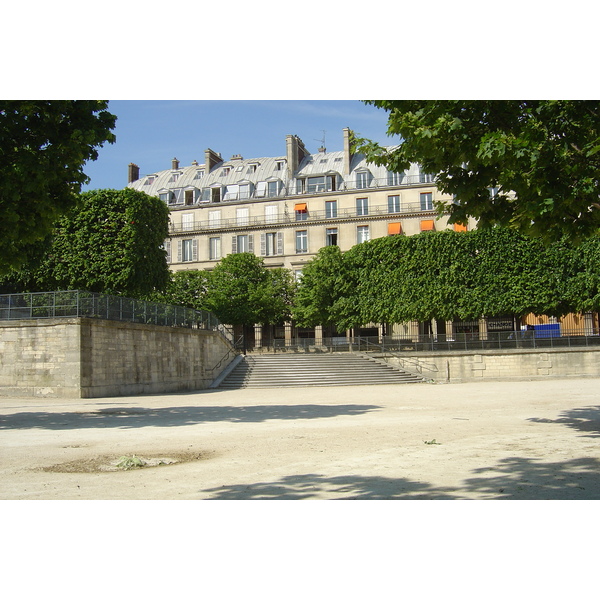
88, 358
497, 365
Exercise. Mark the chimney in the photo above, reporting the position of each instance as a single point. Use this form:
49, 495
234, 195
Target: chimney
174, 164
211, 159
347, 151
295, 152
133, 173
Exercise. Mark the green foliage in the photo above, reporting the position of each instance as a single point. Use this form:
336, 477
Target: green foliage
546, 152
448, 275
110, 242
319, 289
44, 146
185, 288
242, 291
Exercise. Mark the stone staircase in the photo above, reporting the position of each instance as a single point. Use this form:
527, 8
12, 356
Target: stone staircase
306, 370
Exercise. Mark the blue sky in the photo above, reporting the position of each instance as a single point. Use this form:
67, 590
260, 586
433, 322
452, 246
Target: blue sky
150, 133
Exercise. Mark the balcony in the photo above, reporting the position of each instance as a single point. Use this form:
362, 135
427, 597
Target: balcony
290, 218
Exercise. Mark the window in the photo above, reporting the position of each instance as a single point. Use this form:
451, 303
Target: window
271, 243
214, 219
428, 225
150, 180
214, 248
331, 236
272, 189
231, 192
301, 242
362, 234
316, 184
362, 207
215, 194
394, 228
242, 243
242, 216
331, 209
426, 201
279, 165
187, 251
300, 186
174, 177
297, 275
426, 177
395, 178
165, 196
245, 191
189, 197
393, 204
271, 214
225, 171
363, 179
199, 175
187, 221
251, 169
301, 211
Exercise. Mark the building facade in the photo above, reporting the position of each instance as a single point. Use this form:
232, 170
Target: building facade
286, 208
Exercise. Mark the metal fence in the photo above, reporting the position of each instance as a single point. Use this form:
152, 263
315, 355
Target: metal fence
468, 342
74, 303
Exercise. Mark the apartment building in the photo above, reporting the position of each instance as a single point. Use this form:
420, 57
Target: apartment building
285, 208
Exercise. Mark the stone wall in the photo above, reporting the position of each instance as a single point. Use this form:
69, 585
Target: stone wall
498, 365
87, 358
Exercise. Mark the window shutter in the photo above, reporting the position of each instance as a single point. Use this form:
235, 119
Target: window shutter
194, 250
234, 245
263, 244
167, 246
280, 242
251, 243
179, 250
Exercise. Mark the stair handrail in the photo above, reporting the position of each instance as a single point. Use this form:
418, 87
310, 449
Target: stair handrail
415, 361
232, 350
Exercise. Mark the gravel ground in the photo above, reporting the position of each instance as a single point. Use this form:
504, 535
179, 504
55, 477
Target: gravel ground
508, 440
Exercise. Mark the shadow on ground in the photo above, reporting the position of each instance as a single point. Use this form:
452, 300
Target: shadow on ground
585, 419
176, 416
512, 478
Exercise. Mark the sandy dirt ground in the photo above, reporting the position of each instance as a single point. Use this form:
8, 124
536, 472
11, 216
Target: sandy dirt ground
509, 440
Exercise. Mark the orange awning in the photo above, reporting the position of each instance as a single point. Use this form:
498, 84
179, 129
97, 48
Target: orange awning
300, 207
459, 227
394, 228
428, 225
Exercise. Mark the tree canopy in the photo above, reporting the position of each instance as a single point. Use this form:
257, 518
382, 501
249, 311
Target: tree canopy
110, 242
44, 146
449, 275
529, 165
242, 291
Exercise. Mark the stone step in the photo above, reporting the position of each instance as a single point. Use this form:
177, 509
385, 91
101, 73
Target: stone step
314, 370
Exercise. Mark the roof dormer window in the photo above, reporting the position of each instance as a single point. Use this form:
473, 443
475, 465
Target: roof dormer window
174, 177
199, 174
